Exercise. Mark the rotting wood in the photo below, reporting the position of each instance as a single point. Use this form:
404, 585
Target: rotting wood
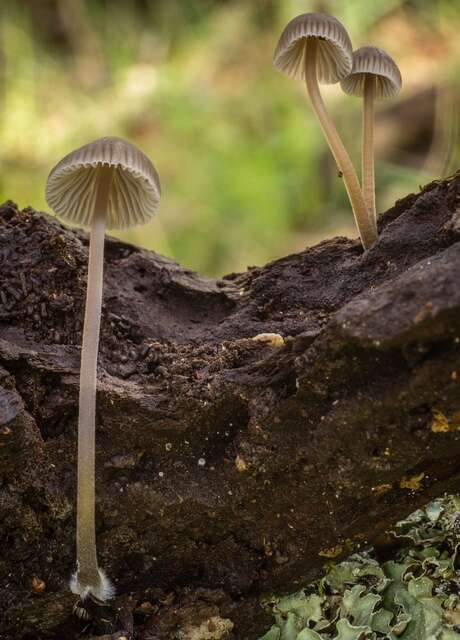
226, 466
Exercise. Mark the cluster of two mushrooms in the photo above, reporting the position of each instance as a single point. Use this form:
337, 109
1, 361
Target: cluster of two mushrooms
316, 48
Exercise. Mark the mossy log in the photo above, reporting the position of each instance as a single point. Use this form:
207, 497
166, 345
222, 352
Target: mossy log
226, 466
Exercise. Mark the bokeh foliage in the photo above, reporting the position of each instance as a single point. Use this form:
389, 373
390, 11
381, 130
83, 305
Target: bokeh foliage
246, 175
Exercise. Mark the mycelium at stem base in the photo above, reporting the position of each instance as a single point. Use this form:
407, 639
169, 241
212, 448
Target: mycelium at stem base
364, 222
89, 579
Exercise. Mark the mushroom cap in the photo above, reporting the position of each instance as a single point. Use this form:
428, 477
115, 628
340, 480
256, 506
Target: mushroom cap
373, 61
134, 193
335, 51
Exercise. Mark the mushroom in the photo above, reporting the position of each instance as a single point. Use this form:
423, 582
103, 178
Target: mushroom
106, 183
316, 47
374, 75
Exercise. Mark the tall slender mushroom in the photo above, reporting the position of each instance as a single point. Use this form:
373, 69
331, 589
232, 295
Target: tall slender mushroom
374, 75
316, 47
107, 183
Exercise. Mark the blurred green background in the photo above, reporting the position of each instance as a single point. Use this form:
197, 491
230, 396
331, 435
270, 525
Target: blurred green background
246, 175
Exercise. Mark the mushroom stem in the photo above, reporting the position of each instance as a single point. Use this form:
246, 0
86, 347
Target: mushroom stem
368, 178
89, 578
364, 222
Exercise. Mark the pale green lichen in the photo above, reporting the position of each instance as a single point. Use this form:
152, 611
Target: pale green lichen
415, 596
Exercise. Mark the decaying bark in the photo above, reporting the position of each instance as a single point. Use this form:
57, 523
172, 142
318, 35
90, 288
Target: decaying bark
227, 466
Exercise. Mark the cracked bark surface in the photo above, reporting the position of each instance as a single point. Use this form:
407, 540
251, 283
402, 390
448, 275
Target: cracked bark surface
226, 467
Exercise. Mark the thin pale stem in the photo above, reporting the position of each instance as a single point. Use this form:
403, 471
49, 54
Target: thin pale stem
368, 178
365, 224
88, 572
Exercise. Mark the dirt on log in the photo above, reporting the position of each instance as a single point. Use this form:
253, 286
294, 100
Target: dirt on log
227, 467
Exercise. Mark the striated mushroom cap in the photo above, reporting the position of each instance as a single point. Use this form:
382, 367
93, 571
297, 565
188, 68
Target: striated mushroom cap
335, 51
375, 62
135, 190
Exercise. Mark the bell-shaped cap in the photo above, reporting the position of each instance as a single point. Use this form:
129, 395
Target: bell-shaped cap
134, 193
372, 61
335, 51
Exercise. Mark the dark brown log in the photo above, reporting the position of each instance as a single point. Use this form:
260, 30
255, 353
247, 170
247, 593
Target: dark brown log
227, 467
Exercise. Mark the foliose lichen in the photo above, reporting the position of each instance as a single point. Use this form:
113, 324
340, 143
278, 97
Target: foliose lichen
414, 596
